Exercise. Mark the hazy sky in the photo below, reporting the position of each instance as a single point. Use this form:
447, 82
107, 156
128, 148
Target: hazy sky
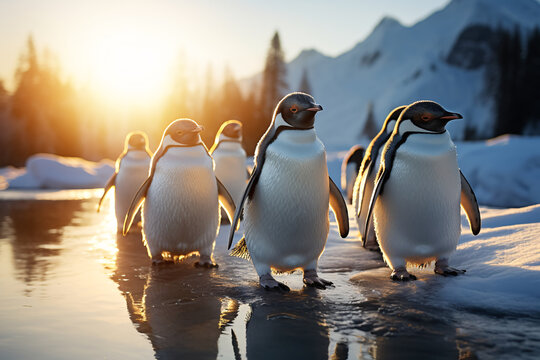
99, 39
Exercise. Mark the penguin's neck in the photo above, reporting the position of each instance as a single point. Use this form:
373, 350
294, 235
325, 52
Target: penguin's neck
228, 143
425, 141
178, 153
136, 154
294, 135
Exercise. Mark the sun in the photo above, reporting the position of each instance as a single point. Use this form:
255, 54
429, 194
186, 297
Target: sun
131, 66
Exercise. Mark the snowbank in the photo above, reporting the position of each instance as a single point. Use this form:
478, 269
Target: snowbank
502, 262
504, 172
47, 171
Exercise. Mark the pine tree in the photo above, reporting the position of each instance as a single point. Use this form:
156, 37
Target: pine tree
273, 87
531, 80
274, 84
369, 130
305, 85
43, 109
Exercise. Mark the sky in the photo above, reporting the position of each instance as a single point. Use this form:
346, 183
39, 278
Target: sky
107, 43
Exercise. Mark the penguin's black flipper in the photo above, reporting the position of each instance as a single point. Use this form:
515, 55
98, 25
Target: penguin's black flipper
260, 153
251, 184
339, 207
110, 183
470, 205
385, 167
226, 200
136, 204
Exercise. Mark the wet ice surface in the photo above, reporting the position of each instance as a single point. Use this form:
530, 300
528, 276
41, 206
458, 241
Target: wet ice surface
72, 288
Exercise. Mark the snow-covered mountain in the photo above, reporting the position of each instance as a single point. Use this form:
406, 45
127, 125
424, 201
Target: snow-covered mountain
440, 58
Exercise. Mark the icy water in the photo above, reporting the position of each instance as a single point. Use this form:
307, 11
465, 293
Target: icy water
72, 288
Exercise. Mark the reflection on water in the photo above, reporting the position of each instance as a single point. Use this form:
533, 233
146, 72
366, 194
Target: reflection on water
35, 229
181, 312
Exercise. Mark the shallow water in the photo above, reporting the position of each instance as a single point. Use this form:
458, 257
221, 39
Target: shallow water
71, 288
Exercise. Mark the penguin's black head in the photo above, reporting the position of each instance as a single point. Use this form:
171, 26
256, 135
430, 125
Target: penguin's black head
232, 129
298, 110
429, 115
394, 114
184, 131
136, 140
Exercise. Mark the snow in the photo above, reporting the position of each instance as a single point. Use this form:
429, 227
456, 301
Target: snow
504, 171
48, 171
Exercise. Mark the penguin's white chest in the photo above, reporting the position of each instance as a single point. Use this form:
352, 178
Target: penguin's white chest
132, 172
417, 217
180, 212
286, 220
230, 161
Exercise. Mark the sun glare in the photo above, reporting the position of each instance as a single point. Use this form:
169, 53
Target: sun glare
131, 66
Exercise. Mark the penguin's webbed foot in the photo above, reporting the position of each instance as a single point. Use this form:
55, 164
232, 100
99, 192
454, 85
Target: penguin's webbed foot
269, 283
159, 260
401, 274
442, 268
207, 265
312, 279
206, 262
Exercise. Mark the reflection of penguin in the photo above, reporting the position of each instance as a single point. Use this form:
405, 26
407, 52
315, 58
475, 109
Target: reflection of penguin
403, 325
35, 230
287, 197
366, 176
181, 209
288, 328
230, 158
349, 169
417, 192
131, 171
167, 304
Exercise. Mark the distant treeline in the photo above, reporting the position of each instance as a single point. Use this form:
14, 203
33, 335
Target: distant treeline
517, 75
46, 114
512, 79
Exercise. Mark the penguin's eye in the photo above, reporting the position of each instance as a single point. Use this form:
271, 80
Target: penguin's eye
426, 117
178, 133
294, 109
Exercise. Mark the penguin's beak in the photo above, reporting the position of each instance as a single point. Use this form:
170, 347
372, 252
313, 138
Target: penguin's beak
198, 129
451, 116
315, 108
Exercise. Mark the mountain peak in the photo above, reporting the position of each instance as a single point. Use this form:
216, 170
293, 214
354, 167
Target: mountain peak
386, 23
309, 53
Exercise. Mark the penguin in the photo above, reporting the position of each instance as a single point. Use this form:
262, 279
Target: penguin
287, 198
130, 172
230, 158
180, 214
349, 169
417, 193
364, 180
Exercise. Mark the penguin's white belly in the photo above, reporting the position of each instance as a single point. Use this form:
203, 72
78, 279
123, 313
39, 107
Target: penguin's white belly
417, 217
231, 171
130, 177
180, 212
286, 222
